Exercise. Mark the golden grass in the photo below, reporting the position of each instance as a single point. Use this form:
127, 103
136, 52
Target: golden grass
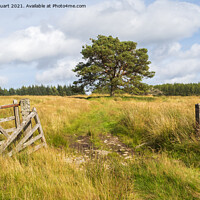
46, 174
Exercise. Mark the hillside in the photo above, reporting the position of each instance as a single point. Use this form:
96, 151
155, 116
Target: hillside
108, 148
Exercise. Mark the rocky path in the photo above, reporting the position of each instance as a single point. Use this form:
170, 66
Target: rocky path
85, 147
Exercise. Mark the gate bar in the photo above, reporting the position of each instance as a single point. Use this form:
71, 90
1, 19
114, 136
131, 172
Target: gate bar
9, 106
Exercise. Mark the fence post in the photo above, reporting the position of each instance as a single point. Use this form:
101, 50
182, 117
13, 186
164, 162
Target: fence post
25, 110
197, 114
16, 114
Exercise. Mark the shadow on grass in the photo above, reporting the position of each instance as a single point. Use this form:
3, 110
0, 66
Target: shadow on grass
118, 98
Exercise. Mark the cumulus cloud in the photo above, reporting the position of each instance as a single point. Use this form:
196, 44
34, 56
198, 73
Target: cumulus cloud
36, 43
62, 71
165, 52
172, 64
162, 20
160, 26
193, 52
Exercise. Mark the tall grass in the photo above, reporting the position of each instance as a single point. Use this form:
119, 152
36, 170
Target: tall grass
159, 123
166, 166
43, 175
46, 175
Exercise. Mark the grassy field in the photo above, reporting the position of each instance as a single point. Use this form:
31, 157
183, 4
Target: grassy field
160, 131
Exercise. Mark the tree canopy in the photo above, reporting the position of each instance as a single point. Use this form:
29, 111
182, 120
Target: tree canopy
114, 65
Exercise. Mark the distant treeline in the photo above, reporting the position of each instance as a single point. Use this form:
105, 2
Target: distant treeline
176, 89
44, 90
179, 89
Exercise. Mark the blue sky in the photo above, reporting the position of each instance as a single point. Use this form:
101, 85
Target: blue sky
41, 46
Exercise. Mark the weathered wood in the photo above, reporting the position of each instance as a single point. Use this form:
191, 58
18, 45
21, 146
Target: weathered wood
37, 120
25, 127
16, 113
4, 132
32, 150
197, 113
19, 146
12, 137
1, 142
7, 119
26, 145
9, 106
36, 148
10, 130
31, 141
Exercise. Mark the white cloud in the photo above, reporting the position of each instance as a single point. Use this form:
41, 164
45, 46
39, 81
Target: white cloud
62, 71
36, 43
193, 52
161, 21
161, 25
165, 51
175, 65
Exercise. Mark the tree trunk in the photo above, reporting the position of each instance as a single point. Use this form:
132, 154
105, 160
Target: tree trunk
112, 92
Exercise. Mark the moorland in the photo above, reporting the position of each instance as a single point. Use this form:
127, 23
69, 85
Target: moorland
100, 147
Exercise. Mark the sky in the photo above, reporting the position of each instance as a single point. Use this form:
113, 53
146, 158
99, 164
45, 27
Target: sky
42, 46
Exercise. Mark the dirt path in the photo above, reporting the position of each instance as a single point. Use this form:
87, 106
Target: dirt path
110, 144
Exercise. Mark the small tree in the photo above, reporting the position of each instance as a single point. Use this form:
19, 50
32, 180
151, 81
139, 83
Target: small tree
113, 65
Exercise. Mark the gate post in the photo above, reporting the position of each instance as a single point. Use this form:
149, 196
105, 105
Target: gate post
16, 114
25, 110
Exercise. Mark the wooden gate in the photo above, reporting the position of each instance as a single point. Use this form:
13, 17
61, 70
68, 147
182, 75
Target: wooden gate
27, 131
